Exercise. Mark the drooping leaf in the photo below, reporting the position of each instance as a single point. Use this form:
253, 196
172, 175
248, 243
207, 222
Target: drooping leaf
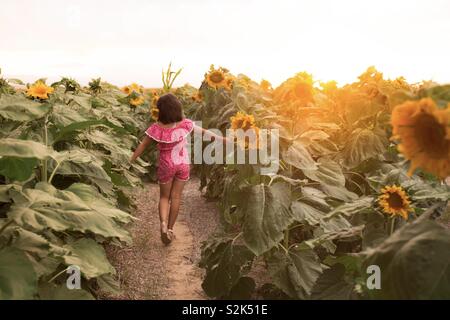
266, 215
295, 272
328, 173
362, 145
46, 207
90, 257
298, 156
332, 285
17, 169
18, 280
25, 149
19, 108
414, 262
225, 264
50, 291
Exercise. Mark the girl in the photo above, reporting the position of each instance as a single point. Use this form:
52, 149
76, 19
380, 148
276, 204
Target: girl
170, 132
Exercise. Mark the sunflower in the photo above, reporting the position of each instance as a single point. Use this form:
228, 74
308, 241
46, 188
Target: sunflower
298, 89
154, 113
424, 134
246, 122
394, 201
216, 78
265, 85
242, 121
39, 90
126, 90
197, 97
155, 100
137, 101
133, 87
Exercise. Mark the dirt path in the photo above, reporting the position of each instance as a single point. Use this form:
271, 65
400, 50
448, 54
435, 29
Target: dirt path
150, 270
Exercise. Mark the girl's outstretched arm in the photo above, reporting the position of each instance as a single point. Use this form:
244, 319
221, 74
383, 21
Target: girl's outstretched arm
211, 134
141, 147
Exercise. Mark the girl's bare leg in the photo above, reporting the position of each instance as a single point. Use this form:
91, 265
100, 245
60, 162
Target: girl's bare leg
164, 197
175, 200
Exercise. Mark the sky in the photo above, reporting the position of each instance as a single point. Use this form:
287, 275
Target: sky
132, 41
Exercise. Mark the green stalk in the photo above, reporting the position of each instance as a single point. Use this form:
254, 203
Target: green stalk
392, 226
44, 161
286, 232
54, 172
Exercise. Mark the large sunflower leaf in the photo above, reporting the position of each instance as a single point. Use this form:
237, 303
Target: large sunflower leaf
46, 207
25, 149
50, 291
17, 169
225, 265
90, 257
298, 156
295, 272
18, 280
266, 215
19, 108
332, 285
414, 262
362, 145
329, 173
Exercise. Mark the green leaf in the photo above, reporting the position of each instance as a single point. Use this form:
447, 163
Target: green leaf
224, 263
90, 257
266, 215
298, 156
66, 131
46, 207
25, 149
331, 285
80, 162
295, 272
351, 208
19, 108
362, 145
17, 169
328, 173
18, 280
49, 291
108, 284
414, 262
243, 290
305, 212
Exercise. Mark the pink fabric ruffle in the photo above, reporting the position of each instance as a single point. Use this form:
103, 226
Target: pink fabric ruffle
170, 135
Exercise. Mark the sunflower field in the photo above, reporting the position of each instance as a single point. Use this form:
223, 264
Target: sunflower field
64, 171
362, 182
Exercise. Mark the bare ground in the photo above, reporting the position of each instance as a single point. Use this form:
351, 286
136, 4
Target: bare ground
150, 270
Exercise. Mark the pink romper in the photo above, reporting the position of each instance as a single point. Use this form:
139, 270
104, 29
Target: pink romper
173, 155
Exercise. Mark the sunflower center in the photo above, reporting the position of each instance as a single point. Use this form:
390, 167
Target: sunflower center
395, 201
217, 77
431, 136
41, 90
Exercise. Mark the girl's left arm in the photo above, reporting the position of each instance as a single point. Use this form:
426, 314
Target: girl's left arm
144, 144
210, 133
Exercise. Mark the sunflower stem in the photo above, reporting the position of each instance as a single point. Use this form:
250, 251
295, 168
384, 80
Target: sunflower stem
44, 161
392, 226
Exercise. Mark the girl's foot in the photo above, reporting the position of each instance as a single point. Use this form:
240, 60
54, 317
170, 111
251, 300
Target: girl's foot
171, 234
164, 234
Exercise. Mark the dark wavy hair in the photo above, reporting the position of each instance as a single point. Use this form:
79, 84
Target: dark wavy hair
170, 109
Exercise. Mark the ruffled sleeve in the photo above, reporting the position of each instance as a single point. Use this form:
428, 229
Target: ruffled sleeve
170, 135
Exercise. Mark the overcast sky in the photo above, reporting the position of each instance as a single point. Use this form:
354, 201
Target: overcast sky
131, 41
